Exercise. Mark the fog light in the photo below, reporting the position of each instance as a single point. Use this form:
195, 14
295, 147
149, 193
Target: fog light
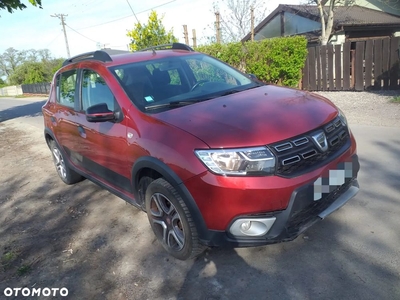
251, 227
245, 226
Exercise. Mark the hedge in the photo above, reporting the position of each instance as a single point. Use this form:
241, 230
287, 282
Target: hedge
277, 60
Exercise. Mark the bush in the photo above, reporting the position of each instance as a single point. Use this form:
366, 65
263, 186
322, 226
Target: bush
278, 60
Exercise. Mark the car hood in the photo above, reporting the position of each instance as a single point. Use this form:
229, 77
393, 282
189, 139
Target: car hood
253, 117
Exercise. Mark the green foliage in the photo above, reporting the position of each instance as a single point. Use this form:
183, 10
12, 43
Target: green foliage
395, 99
12, 5
23, 270
2, 83
277, 60
27, 73
53, 66
151, 34
28, 66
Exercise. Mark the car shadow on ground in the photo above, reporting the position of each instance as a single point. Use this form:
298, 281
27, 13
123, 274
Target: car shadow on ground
85, 239
28, 110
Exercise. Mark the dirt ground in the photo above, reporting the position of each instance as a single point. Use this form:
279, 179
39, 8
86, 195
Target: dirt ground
80, 237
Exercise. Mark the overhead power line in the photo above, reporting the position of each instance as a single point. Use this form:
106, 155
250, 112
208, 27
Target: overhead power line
81, 34
53, 40
125, 17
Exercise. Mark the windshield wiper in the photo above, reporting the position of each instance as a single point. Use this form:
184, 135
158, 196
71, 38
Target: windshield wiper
231, 92
173, 104
234, 91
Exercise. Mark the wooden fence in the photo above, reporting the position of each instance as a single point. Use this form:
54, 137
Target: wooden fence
363, 65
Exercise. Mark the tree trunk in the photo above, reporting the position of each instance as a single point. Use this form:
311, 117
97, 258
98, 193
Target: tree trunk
326, 25
322, 18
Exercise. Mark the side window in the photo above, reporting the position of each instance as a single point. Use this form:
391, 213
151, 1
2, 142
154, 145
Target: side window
96, 91
66, 83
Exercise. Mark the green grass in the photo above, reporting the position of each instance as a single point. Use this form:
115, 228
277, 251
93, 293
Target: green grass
9, 262
18, 96
7, 257
22, 270
395, 99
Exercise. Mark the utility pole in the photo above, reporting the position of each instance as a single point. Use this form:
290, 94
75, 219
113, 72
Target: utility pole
62, 18
185, 34
194, 38
218, 27
252, 23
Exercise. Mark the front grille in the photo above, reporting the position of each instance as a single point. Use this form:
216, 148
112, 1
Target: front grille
307, 215
305, 153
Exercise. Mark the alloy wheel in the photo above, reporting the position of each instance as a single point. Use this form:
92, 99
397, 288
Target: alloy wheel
59, 162
167, 222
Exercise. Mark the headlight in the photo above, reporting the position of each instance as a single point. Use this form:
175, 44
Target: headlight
240, 162
342, 117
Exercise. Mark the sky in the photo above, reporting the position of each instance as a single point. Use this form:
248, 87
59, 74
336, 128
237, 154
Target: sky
95, 24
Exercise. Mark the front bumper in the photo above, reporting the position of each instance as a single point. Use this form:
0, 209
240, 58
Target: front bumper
302, 212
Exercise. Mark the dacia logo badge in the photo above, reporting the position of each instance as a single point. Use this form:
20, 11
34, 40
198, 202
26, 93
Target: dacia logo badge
320, 140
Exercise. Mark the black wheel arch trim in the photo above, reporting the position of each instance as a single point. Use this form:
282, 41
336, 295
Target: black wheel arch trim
47, 131
149, 162
66, 158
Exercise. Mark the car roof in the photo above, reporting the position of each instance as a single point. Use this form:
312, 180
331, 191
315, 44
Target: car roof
111, 57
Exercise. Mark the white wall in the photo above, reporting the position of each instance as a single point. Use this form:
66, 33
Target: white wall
11, 90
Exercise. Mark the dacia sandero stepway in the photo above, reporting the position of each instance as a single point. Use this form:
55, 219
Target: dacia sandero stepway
213, 156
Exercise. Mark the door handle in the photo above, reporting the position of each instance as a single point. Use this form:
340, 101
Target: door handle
82, 132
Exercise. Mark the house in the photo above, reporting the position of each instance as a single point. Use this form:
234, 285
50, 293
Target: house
388, 6
351, 23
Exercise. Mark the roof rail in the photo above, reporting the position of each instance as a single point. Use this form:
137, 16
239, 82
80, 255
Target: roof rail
95, 55
174, 46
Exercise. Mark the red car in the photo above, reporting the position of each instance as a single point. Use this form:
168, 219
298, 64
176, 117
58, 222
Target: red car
213, 156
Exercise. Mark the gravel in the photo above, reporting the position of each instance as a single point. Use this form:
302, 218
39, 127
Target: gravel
368, 108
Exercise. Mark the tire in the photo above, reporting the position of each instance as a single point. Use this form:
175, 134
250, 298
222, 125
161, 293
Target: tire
144, 183
171, 221
66, 174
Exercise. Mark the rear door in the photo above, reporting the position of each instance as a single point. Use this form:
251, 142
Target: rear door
64, 118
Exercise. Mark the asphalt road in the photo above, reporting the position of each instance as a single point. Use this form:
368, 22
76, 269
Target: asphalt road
353, 254
25, 110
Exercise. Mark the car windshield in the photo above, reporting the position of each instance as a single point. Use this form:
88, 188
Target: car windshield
179, 80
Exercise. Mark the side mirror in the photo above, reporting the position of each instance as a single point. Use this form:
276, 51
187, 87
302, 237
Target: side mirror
99, 113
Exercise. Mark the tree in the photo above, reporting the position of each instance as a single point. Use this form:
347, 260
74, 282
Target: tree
236, 18
28, 66
151, 34
12, 5
27, 73
10, 60
326, 9
2, 83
